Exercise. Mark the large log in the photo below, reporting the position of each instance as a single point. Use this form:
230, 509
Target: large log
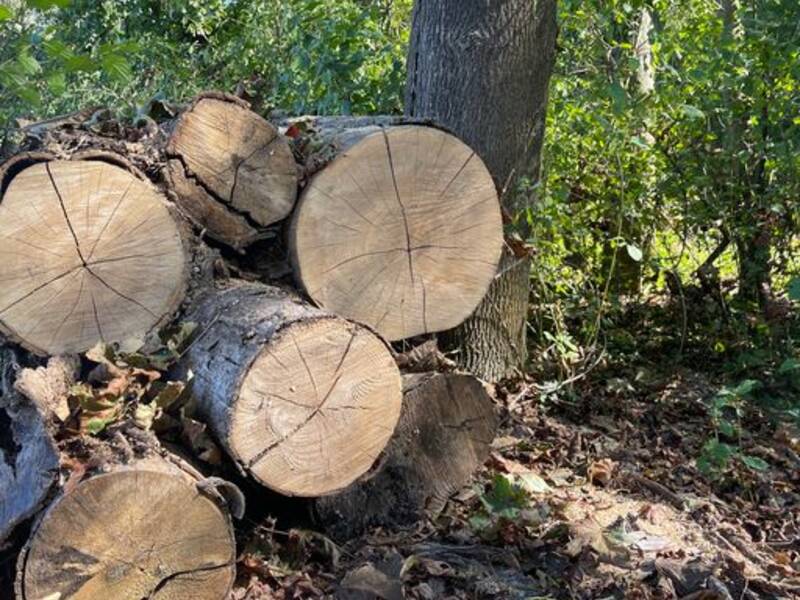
444, 435
401, 230
89, 252
145, 530
302, 400
230, 169
28, 454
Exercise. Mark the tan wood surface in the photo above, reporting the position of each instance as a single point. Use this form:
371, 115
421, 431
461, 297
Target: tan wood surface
88, 253
402, 232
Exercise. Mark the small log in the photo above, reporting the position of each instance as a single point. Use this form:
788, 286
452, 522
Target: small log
89, 253
145, 530
302, 400
28, 455
230, 169
402, 230
444, 435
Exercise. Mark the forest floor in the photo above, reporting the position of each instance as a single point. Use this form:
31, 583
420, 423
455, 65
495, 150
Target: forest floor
595, 498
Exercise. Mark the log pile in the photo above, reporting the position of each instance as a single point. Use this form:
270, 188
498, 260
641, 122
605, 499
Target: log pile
392, 230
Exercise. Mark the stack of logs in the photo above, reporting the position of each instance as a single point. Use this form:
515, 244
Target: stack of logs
395, 233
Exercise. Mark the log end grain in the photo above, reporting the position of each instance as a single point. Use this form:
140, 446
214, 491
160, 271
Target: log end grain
237, 163
402, 231
130, 534
89, 253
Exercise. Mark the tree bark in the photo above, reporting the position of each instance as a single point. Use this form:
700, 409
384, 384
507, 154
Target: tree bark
444, 435
303, 401
482, 70
400, 230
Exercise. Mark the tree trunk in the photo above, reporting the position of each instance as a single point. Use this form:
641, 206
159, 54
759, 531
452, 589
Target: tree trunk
482, 70
145, 530
231, 171
302, 400
400, 230
444, 435
90, 253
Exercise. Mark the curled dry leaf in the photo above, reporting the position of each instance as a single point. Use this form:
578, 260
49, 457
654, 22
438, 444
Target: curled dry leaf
601, 471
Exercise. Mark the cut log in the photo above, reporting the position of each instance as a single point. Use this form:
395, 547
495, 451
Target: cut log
444, 435
231, 171
401, 231
147, 530
28, 455
302, 400
89, 252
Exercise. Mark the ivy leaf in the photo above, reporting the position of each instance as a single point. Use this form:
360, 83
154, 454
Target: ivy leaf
634, 252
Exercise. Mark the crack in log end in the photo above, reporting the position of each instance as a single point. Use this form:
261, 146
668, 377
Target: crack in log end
189, 175
169, 578
120, 294
64, 211
400, 202
461, 170
319, 409
9, 446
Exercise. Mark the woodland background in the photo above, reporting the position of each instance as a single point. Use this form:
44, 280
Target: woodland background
666, 228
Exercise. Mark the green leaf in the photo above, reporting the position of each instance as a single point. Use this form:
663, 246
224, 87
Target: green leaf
116, 66
57, 49
692, 111
81, 62
95, 426
27, 63
47, 4
747, 387
30, 95
57, 83
788, 366
5, 13
634, 252
794, 289
755, 463
620, 98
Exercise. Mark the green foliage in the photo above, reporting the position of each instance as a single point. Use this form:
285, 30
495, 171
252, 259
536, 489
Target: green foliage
315, 56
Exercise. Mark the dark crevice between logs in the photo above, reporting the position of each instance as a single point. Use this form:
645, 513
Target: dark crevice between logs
8, 444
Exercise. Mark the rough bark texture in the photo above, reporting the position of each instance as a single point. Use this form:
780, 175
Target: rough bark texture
482, 70
402, 228
302, 400
149, 529
445, 431
28, 456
